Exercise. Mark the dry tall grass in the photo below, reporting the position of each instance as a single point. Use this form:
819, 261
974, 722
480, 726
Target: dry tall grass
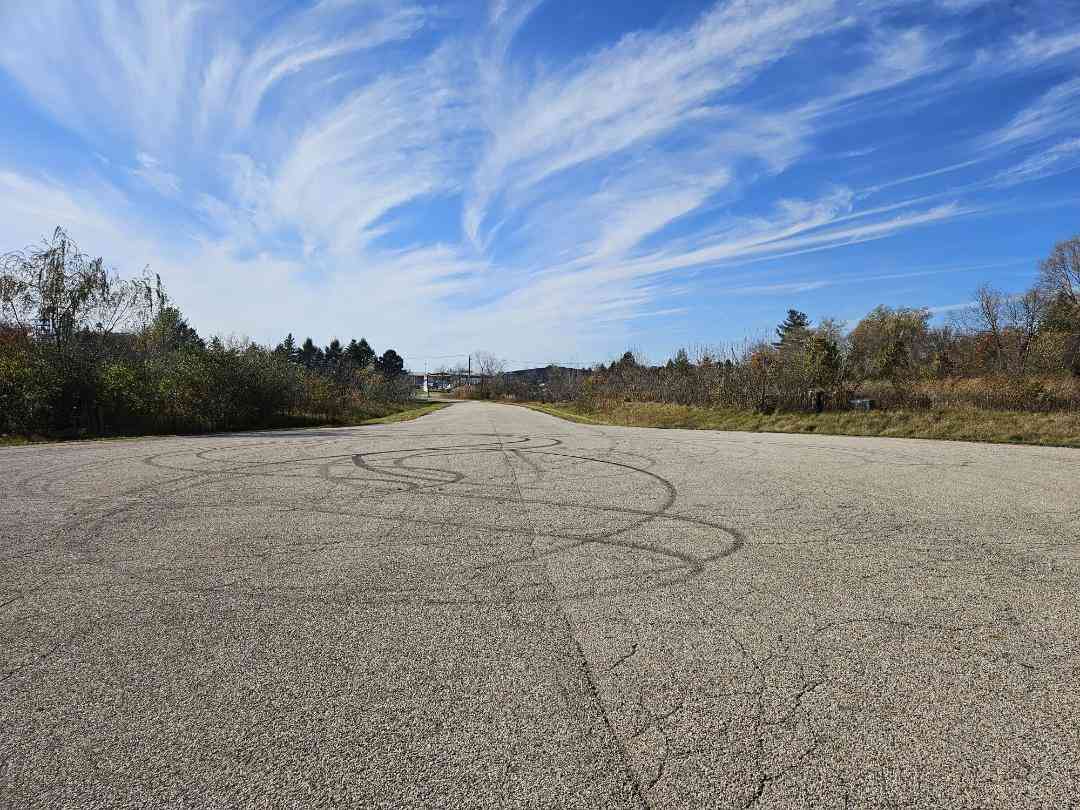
965, 424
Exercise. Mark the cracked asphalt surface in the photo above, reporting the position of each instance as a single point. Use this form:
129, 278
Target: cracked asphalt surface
492, 607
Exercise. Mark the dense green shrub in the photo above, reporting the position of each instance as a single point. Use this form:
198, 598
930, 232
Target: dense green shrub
85, 352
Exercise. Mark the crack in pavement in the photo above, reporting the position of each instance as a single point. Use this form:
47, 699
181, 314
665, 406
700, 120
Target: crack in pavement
579, 653
493, 606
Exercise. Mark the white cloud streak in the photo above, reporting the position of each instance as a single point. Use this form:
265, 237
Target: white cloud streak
1061, 157
1052, 113
580, 193
637, 90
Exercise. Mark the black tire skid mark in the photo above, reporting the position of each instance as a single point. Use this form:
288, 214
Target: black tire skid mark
195, 478
693, 565
580, 659
81, 514
58, 473
645, 513
573, 540
411, 473
154, 460
536, 472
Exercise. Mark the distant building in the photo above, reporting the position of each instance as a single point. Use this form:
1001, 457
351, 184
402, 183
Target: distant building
448, 380
445, 380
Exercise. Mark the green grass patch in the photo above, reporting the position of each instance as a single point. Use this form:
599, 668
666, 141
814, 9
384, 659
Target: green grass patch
413, 412
1053, 429
372, 413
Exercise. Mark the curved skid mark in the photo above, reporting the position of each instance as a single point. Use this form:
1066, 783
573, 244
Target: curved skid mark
434, 482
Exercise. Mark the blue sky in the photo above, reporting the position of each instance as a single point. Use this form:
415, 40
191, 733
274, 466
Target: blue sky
550, 180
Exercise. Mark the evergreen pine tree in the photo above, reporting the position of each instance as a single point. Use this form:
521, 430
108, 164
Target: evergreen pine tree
351, 352
390, 364
309, 354
793, 330
333, 354
287, 348
367, 354
360, 353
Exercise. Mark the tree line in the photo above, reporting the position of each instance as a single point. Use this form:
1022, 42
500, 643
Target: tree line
336, 359
1003, 351
84, 351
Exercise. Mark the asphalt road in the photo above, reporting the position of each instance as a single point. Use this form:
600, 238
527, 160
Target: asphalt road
492, 607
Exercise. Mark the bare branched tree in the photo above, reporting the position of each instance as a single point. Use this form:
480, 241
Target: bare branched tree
989, 320
1008, 324
56, 291
1059, 273
491, 369
488, 364
1024, 316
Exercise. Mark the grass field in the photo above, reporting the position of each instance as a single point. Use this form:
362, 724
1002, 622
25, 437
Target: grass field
1056, 429
415, 411
375, 413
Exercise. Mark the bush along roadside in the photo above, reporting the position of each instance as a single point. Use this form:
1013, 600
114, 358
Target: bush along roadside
84, 352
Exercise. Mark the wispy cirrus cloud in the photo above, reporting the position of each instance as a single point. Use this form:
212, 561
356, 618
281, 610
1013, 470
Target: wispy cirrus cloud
347, 162
1059, 158
1054, 112
394, 140
638, 90
238, 81
149, 170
